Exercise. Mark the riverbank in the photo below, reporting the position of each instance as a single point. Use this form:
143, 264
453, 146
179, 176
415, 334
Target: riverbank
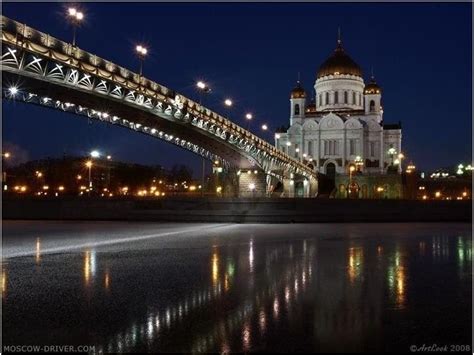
264, 210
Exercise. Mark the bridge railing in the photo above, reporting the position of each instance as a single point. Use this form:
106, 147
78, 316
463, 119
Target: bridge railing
21, 35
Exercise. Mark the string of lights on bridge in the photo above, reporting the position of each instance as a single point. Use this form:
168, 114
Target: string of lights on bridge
76, 16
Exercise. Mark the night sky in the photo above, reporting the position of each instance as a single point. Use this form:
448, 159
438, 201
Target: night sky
252, 53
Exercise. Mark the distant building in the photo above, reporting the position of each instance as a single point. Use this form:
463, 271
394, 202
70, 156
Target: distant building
342, 126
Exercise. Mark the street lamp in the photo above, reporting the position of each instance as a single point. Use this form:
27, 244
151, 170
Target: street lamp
392, 153
89, 165
13, 90
203, 88
95, 154
358, 162
400, 159
252, 188
5, 156
248, 117
351, 170
76, 18
141, 52
228, 102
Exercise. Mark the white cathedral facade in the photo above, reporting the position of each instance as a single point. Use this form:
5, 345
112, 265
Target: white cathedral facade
342, 125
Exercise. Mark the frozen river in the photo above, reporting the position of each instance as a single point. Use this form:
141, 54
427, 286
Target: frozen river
123, 287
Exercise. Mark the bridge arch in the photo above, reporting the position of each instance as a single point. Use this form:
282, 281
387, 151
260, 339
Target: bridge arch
57, 75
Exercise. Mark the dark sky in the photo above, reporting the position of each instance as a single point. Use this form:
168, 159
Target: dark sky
421, 55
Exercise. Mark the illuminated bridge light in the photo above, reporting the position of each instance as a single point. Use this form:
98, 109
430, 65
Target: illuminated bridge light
13, 90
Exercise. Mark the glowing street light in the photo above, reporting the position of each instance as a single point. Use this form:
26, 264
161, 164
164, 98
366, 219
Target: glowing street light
95, 154
13, 90
6, 155
351, 170
89, 165
248, 117
228, 102
359, 162
76, 18
264, 127
109, 157
203, 89
141, 52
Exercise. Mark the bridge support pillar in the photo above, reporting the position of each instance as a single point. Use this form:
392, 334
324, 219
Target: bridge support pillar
288, 187
252, 183
312, 187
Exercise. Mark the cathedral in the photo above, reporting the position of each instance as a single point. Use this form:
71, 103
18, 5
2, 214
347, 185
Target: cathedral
340, 130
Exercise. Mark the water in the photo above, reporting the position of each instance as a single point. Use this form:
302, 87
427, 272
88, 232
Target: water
125, 287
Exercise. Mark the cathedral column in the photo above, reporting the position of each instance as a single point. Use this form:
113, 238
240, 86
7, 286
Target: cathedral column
382, 152
344, 150
319, 150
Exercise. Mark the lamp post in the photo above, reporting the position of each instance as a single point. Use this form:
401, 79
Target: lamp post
141, 52
392, 153
76, 18
359, 163
203, 89
89, 166
5, 156
400, 159
248, 117
109, 158
228, 104
349, 186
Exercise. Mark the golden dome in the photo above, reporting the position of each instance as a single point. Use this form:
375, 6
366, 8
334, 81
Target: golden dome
339, 63
372, 87
298, 91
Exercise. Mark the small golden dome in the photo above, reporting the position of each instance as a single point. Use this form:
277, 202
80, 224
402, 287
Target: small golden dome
372, 87
298, 91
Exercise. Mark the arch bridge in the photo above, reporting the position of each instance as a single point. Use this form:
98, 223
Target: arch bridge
40, 69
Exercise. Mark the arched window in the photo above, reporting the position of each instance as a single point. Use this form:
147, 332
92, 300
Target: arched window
310, 147
354, 98
345, 97
297, 109
372, 106
327, 98
336, 97
360, 99
320, 102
